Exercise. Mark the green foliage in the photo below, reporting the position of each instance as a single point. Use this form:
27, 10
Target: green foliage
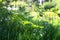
30, 22
50, 5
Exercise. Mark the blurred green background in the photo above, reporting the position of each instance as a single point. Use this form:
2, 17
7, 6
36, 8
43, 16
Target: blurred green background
29, 20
